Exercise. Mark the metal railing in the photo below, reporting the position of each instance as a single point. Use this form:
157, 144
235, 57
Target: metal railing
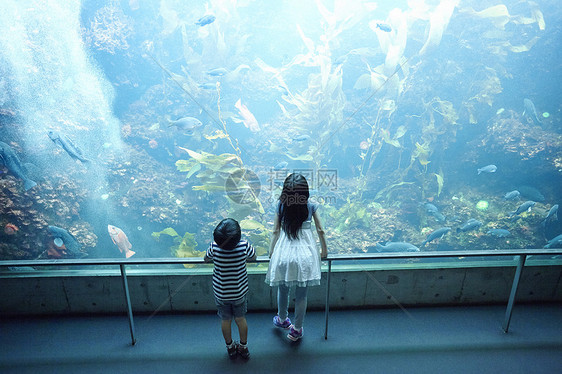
122, 263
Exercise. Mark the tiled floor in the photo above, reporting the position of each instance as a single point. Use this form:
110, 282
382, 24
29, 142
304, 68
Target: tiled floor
418, 340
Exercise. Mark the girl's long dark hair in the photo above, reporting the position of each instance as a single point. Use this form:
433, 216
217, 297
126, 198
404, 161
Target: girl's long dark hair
293, 208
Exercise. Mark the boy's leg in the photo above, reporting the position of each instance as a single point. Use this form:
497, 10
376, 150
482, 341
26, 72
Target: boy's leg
239, 310
283, 302
242, 329
300, 306
225, 314
226, 330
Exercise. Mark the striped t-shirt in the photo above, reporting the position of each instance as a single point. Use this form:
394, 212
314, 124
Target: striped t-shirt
230, 279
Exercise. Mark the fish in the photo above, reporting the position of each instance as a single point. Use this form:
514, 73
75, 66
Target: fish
207, 86
488, 169
301, 138
500, 233
554, 242
433, 211
206, 19
247, 117
65, 143
383, 26
430, 208
471, 224
281, 165
552, 214
530, 111
439, 217
119, 238
218, 72
531, 193
397, 247
10, 229
439, 233
9, 159
526, 206
69, 241
187, 124
512, 195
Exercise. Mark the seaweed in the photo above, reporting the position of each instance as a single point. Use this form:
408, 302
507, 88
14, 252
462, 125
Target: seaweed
183, 247
222, 173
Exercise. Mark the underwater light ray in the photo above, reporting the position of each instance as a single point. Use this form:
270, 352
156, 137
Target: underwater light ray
203, 108
361, 106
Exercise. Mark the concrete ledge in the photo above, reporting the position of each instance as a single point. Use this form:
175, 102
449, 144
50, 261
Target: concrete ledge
183, 290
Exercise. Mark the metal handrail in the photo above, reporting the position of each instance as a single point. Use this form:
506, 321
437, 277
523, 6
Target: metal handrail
122, 263
333, 257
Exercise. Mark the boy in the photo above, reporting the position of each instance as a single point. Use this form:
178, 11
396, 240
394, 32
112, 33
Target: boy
230, 282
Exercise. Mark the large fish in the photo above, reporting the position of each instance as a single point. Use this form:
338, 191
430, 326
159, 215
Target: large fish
531, 111
247, 117
9, 159
526, 206
218, 72
471, 224
68, 240
433, 211
65, 143
552, 214
120, 239
554, 242
488, 169
205, 20
512, 195
531, 193
397, 247
436, 234
500, 233
187, 124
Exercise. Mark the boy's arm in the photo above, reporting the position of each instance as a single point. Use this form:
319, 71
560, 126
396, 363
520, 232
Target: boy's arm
250, 253
254, 256
321, 235
209, 254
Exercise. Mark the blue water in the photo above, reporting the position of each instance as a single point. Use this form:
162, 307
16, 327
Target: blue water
380, 122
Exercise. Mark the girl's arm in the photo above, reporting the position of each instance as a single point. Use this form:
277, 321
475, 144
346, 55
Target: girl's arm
321, 236
275, 235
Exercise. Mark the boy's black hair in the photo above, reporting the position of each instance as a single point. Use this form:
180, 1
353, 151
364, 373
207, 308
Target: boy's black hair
227, 234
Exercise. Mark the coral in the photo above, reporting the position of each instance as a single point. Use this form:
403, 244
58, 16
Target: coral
52, 202
508, 133
109, 30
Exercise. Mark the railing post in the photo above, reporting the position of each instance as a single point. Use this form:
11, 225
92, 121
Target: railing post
514, 286
327, 308
128, 301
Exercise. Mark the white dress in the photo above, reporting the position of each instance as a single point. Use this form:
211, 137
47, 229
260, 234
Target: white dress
295, 262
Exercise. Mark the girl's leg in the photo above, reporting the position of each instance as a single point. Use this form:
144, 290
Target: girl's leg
283, 302
300, 306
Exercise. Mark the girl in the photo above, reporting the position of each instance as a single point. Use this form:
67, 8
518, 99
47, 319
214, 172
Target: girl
294, 259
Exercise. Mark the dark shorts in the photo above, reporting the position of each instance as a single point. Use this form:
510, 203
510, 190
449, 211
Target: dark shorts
232, 308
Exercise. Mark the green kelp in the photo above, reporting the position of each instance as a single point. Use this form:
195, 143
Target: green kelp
185, 246
167, 231
221, 173
353, 214
421, 153
258, 235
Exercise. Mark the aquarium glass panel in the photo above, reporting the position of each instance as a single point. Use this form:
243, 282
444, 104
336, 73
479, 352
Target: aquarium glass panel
130, 128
